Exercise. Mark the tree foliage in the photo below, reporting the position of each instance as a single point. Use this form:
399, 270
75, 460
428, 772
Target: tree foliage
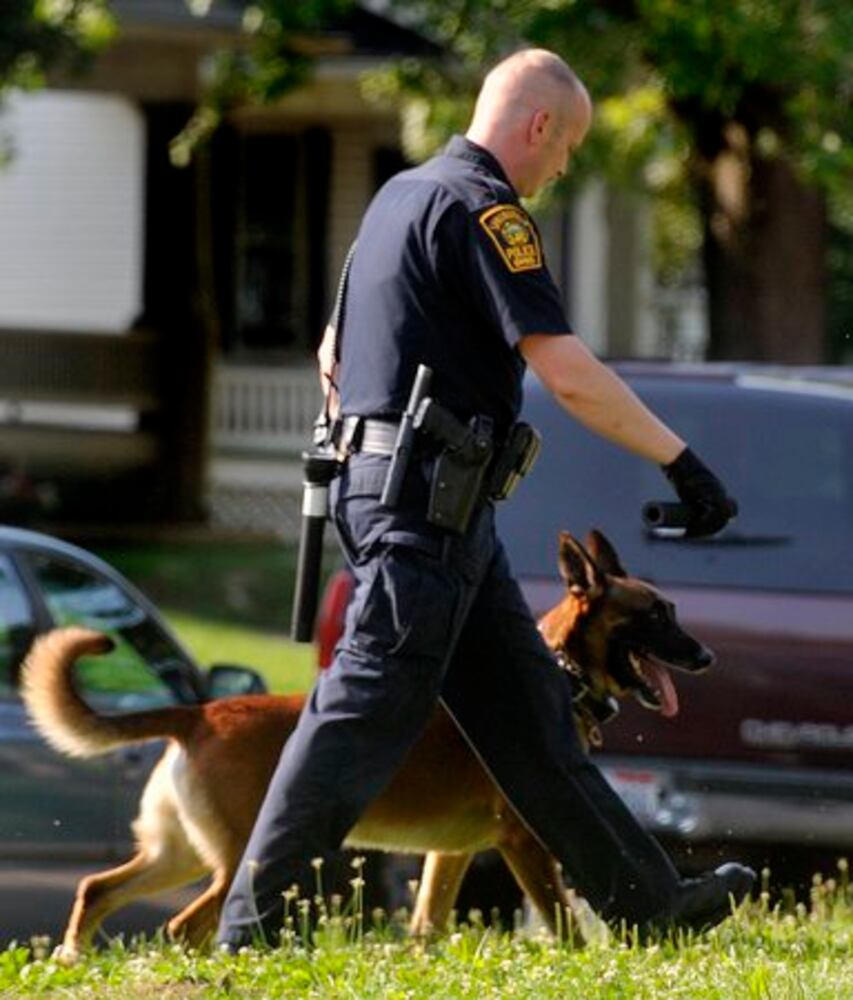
39, 35
668, 76
782, 68
272, 55
745, 106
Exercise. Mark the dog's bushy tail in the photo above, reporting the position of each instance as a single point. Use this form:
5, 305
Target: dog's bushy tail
64, 718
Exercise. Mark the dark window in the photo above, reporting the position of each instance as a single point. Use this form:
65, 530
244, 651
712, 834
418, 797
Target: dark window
16, 627
265, 303
131, 676
317, 145
269, 221
787, 458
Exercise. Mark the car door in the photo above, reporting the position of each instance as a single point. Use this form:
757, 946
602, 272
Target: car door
50, 804
61, 807
762, 747
28, 775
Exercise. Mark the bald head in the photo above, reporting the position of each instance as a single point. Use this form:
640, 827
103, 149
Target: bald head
526, 80
532, 111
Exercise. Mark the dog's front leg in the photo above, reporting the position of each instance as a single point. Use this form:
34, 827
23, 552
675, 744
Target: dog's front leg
440, 881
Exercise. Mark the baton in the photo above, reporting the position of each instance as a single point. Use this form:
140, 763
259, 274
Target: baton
662, 514
670, 519
405, 439
319, 468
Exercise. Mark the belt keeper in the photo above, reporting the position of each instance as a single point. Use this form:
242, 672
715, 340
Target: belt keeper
352, 429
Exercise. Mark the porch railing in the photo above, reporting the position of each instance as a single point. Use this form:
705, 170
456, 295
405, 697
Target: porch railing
259, 409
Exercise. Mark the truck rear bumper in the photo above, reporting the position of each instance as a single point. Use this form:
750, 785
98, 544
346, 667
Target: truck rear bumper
699, 801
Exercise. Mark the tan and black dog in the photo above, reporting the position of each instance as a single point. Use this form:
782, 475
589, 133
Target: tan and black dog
197, 810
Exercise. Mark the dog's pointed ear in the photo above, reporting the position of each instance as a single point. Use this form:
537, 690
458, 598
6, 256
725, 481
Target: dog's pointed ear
604, 554
578, 568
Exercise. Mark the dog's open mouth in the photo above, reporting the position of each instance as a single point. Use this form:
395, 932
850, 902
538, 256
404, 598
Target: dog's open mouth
653, 685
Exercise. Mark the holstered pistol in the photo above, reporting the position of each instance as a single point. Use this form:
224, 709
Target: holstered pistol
460, 468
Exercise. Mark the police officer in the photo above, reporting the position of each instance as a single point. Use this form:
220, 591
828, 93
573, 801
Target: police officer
449, 272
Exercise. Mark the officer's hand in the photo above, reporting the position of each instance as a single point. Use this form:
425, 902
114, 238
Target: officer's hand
705, 497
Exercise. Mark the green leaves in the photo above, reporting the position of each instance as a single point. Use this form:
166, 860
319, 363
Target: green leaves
37, 35
678, 85
783, 68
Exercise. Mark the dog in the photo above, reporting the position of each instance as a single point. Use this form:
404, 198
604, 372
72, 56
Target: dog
613, 632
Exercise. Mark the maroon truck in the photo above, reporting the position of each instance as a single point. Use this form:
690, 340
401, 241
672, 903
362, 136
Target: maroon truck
759, 761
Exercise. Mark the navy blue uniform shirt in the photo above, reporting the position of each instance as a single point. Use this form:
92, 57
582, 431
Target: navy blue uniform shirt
449, 272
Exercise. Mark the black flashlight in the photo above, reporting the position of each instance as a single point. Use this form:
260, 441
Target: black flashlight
319, 467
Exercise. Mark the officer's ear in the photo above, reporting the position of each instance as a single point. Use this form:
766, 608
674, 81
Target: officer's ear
540, 126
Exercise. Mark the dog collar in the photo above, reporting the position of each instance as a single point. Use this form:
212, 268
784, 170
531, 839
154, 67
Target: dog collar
568, 664
580, 687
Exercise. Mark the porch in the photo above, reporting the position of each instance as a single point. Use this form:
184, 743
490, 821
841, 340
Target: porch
261, 420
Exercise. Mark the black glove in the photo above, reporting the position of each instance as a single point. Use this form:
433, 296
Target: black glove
705, 497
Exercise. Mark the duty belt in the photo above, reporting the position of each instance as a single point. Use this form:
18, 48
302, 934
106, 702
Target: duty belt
510, 462
368, 435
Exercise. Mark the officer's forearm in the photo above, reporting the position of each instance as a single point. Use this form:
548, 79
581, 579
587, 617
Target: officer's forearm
598, 398
326, 359
612, 410
328, 369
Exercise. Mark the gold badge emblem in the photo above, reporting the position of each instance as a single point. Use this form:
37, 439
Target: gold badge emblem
515, 236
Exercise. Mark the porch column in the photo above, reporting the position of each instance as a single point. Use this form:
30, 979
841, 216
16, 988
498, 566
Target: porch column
351, 189
590, 248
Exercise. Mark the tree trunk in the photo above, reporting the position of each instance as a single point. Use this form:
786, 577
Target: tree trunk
764, 255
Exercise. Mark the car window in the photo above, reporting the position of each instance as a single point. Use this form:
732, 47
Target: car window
16, 627
786, 457
132, 675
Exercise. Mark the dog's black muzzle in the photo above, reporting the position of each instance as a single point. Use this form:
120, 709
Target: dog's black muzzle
672, 647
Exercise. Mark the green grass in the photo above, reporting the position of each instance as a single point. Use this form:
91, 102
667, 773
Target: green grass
243, 583
760, 954
229, 602
286, 666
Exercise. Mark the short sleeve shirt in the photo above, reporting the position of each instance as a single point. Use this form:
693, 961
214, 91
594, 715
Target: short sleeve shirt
448, 271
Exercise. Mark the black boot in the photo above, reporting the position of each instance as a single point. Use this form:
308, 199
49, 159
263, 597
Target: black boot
702, 902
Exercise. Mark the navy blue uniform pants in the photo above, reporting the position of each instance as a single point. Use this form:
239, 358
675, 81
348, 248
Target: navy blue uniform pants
436, 617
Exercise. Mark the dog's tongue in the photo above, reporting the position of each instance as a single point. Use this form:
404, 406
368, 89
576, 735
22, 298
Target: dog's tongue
660, 678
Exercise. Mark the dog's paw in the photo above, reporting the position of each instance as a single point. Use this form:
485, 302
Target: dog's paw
66, 954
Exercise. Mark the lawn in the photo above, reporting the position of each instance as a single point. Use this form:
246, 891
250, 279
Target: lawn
286, 666
760, 954
229, 602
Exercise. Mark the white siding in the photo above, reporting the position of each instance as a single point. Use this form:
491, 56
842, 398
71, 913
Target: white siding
590, 248
71, 213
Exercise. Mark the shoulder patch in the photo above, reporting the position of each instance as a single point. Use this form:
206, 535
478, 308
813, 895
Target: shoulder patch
513, 233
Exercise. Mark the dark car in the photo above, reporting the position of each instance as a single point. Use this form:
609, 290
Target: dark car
55, 809
761, 753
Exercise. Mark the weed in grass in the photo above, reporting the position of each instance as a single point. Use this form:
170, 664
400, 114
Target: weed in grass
763, 952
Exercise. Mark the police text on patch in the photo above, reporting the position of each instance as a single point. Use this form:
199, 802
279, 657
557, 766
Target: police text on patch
515, 236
